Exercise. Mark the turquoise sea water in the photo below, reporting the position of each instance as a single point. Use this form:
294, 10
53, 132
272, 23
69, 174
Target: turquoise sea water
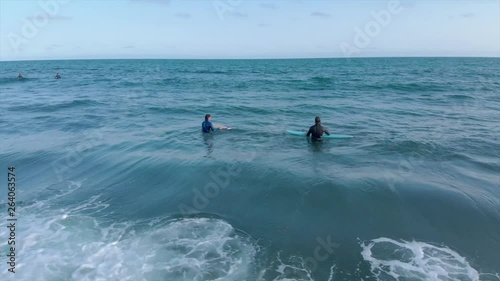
116, 182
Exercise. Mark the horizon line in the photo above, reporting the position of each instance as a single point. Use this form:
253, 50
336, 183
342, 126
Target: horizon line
275, 58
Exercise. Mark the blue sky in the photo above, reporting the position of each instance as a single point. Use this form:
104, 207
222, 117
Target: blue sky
73, 29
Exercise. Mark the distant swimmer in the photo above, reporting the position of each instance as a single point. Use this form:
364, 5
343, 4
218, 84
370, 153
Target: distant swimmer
20, 76
316, 131
58, 76
207, 126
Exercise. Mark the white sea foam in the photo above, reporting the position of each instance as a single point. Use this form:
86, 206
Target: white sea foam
73, 244
79, 248
79, 243
295, 268
401, 260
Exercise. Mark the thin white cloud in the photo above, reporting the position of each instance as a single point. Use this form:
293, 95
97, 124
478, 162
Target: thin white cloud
183, 15
239, 15
320, 15
53, 47
270, 6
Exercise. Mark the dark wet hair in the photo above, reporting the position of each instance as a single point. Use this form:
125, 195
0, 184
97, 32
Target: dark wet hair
207, 116
317, 120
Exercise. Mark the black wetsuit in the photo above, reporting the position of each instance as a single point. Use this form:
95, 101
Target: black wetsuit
316, 132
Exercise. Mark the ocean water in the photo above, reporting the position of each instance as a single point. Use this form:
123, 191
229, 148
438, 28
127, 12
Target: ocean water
116, 182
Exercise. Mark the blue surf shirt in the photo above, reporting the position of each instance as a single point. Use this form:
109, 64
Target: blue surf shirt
206, 126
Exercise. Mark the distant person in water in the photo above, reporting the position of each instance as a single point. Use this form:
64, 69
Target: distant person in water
207, 126
20, 76
316, 131
58, 76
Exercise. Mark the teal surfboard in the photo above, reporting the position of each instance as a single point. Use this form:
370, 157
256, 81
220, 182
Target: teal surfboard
303, 134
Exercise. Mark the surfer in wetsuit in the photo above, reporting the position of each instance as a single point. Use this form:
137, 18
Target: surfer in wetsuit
20, 76
316, 131
207, 126
58, 76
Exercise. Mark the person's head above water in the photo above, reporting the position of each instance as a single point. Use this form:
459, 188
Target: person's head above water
317, 120
208, 117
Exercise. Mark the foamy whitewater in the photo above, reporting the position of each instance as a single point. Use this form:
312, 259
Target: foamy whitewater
116, 182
